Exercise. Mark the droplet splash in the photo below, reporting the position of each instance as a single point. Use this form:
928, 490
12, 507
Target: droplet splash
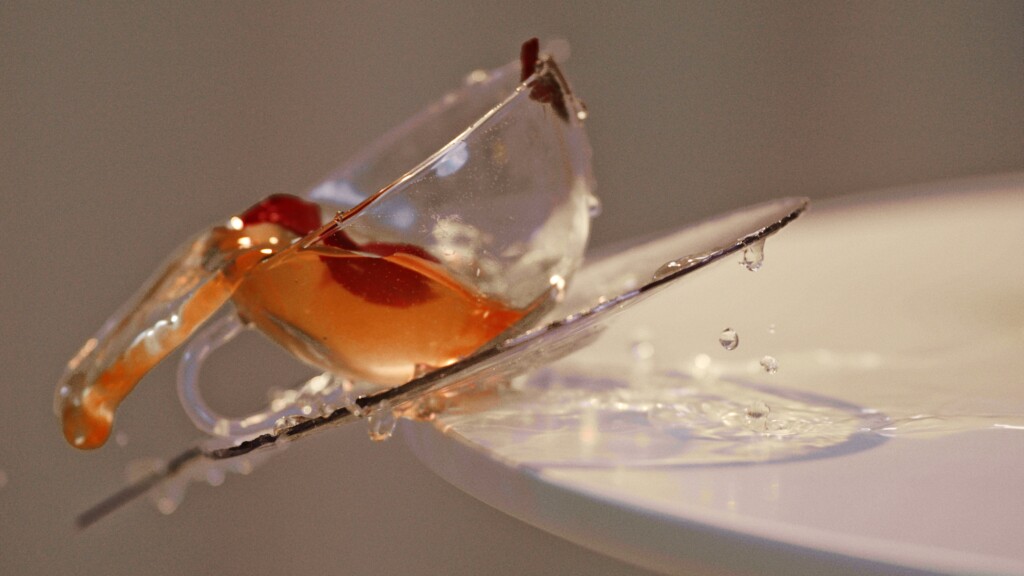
757, 416
557, 287
753, 256
729, 339
770, 364
601, 415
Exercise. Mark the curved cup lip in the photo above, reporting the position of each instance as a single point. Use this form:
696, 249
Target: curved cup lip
337, 187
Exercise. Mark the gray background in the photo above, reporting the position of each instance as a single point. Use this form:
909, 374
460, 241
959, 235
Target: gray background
124, 128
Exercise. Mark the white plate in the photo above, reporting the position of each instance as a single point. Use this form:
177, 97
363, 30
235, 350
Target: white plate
897, 321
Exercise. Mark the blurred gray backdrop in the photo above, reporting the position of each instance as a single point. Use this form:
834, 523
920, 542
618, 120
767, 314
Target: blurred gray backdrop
124, 127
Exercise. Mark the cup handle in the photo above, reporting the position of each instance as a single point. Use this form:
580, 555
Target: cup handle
315, 397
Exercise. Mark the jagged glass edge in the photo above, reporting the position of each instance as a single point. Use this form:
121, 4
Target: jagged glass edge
571, 332
698, 246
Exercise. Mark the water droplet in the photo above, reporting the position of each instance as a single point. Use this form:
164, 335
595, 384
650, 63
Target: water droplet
770, 364
729, 339
476, 77
428, 408
285, 422
167, 504
558, 286
243, 466
756, 416
420, 370
593, 206
679, 264
753, 256
348, 401
381, 422
306, 407
214, 476
642, 350
667, 269
701, 365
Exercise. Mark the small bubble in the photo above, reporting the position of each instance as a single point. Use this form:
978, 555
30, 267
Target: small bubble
771, 328
753, 256
581, 114
729, 339
121, 439
770, 364
593, 206
381, 422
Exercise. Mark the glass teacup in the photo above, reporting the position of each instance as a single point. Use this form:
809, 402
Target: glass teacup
462, 250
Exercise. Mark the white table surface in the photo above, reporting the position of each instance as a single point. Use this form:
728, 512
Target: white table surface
900, 310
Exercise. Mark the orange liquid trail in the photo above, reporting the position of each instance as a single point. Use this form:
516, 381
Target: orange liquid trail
88, 414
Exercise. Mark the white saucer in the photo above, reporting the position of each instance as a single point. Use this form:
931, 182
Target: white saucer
902, 313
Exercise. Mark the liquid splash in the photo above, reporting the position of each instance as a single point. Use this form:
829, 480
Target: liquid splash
598, 416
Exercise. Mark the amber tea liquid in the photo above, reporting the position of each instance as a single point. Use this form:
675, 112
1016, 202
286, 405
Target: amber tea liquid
372, 318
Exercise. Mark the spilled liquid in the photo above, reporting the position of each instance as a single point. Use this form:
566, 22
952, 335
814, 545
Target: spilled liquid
598, 416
